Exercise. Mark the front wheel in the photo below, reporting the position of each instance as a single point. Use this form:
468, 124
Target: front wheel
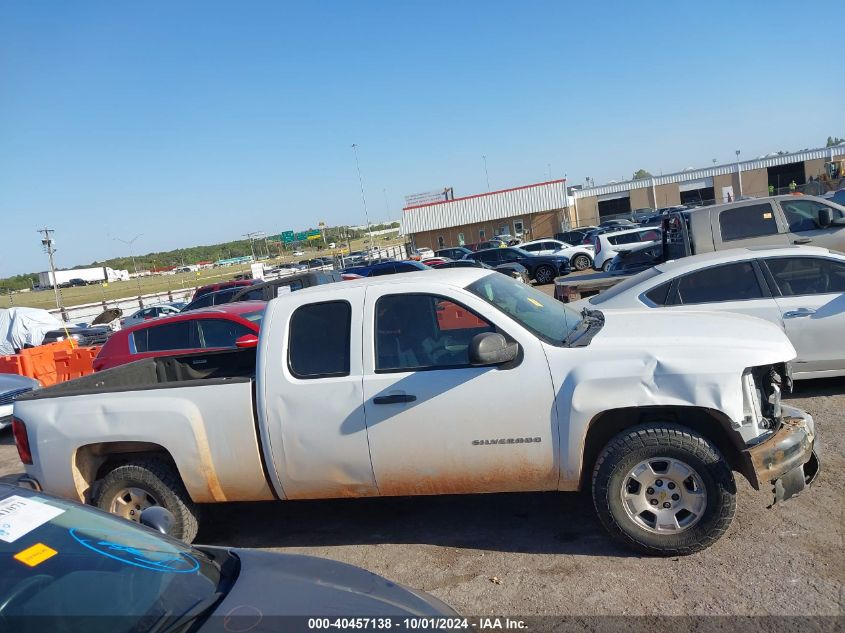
544, 275
129, 489
606, 266
663, 489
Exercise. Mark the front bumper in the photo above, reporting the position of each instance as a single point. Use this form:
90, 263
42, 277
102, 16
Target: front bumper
787, 459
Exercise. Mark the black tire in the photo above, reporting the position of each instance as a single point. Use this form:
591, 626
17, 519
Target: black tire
581, 262
159, 478
606, 266
671, 441
544, 274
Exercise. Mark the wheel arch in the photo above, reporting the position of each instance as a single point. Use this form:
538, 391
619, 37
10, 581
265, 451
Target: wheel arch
92, 462
709, 423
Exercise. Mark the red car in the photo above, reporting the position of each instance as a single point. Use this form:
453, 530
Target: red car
222, 327
222, 285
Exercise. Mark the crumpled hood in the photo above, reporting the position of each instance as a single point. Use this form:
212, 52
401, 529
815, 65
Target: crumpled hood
271, 585
704, 334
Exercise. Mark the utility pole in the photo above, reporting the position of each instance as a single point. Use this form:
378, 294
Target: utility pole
129, 243
251, 237
48, 244
486, 175
363, 198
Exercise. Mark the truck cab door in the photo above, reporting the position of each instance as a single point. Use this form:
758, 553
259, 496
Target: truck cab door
436, 424
802, 217
310, 396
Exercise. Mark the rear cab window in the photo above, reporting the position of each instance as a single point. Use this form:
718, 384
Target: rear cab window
752, 220
319, 340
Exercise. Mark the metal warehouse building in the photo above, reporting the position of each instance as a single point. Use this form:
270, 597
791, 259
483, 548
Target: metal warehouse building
543, 209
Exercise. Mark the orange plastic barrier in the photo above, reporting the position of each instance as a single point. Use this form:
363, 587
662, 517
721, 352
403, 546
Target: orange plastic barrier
37, 362
75, 363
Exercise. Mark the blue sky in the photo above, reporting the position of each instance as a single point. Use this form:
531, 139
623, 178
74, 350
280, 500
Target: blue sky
196, 122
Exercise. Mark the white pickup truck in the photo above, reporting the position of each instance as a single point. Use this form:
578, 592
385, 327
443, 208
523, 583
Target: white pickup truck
439, 382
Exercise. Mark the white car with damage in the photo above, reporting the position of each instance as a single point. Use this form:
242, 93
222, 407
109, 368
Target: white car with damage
376, 388
580, 255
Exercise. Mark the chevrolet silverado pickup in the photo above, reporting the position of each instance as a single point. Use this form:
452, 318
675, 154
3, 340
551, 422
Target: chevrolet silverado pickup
446, 382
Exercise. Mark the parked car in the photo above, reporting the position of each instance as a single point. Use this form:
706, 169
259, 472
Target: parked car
801, 289
422, 253
298, 253
541, 268
221, 285
772, 221
514, 270
387, 268
575, 236
580, 256
68, 567
84, 336
194, 331
456, 252
12, 386
153, 312
838, 197
493, 243
269, 290
431, 261
607, 245
380, 380
629, 261
220, 297
624, 224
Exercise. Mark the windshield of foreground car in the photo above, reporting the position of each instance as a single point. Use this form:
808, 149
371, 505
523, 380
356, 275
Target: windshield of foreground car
83, 562
546, 317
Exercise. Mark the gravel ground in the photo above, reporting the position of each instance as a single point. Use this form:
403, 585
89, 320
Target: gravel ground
546, 554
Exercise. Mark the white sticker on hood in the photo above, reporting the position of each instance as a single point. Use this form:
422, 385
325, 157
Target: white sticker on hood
19, 516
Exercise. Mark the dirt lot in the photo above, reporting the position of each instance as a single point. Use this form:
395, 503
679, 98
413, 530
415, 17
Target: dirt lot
551, 556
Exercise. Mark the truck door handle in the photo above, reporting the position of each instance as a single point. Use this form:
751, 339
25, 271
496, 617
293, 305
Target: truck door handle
800, 312
802, 240
396, 398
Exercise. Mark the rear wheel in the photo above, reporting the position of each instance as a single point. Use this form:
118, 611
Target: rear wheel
544, 275
581, 262
606, 266
129, 489
663, 489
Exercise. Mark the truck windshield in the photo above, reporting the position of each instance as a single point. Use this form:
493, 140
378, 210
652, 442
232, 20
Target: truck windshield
81, 562
546, 317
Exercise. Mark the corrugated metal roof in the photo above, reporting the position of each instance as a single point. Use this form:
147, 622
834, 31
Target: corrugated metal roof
709, 172
484, 207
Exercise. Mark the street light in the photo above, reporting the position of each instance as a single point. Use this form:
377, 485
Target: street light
738, 173
129, 243
363, 198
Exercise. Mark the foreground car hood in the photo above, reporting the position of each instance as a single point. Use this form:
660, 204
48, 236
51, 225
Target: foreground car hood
271, 585
707, 334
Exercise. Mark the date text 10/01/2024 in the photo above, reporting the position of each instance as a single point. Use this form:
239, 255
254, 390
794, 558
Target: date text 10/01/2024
387, 623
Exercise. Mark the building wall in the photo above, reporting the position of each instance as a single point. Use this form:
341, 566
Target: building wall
725, 180
641, 198
544, 224
814, 168
667, 195
588, 212
755, 182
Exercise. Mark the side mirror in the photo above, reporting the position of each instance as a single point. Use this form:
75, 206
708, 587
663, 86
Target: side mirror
490, 348
825, 217
247, 340
159, 519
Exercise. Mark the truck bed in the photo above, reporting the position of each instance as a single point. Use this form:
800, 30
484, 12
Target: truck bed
183, 370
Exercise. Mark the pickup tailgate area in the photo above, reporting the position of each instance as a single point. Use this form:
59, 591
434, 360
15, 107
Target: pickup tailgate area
207, 427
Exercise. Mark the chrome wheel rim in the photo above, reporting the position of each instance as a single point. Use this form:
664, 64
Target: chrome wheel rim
581, 263
663, 495
130, 502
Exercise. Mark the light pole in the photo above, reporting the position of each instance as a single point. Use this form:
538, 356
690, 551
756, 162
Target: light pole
47, 243
738, 172
129, 243
486, 175
363, 198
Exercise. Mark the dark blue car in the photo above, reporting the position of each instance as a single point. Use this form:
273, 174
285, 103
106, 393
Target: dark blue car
386, 268
541, 268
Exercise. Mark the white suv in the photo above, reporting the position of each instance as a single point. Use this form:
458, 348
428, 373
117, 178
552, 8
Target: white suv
607, 245
580, 256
